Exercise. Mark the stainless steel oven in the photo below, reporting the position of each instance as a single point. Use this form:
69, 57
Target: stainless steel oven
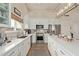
39, 37
39, 33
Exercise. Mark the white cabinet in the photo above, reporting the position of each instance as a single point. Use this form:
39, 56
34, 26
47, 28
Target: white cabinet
12, 52
27, 45
4, 15
51, 46
24, 47
20, 49
34, 38
62, 52
46, 38
55, 48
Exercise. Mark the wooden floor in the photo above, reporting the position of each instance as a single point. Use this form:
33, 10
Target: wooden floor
39, 50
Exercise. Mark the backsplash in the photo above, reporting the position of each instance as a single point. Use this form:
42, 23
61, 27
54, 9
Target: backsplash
5, 29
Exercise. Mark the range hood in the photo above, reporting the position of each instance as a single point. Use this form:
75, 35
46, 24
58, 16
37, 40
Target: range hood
67, 9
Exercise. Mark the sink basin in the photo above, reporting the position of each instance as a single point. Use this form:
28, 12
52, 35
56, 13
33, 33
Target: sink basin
8, 41
22, 36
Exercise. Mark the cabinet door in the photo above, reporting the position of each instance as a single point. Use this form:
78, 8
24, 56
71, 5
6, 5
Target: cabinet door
11, 52
60, 52
34, 38
27, 45
4, 15
52, 46
64, 53
29, 42
22, 49
45, 38
18, 53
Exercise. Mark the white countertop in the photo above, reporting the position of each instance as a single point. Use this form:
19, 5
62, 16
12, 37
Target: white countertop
71, 47
5, 48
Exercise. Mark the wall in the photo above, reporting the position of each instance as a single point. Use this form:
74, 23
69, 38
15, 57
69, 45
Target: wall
21, 7
24, 12
26, 20
71, 21
66, 22
39, 20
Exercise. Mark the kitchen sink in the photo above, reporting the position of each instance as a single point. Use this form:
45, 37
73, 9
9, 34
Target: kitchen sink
22, 36
8, 41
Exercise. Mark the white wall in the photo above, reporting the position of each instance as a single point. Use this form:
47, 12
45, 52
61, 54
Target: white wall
26, 20
39, 20
21, 7
66, 22
24, 12
71, 21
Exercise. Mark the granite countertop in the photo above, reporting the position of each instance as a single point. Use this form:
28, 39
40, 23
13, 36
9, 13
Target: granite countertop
71, 47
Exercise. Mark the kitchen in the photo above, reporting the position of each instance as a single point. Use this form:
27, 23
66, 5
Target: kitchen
39, 29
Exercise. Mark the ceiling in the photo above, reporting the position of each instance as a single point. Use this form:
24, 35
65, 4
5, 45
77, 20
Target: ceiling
44, 9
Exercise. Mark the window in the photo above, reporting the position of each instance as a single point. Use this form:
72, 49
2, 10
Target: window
18, 25
15, 24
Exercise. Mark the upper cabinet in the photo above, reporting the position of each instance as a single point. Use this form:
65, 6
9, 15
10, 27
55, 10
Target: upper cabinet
4, 15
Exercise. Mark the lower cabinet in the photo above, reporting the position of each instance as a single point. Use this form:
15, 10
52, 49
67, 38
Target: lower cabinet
45, 38
51, 47
55, 49
34, 38
12, 52
21, 49
27, 45
24, 47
